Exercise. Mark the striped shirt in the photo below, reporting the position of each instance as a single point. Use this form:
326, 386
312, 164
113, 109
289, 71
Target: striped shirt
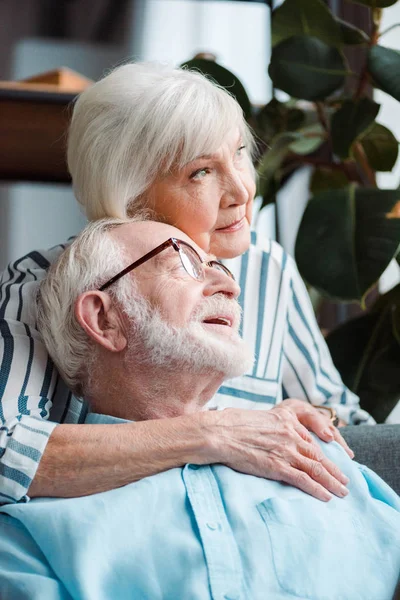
292, 359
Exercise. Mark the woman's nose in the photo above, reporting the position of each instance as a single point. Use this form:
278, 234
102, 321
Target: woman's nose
235, 192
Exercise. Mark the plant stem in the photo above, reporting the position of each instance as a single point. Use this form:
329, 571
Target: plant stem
322, 116
362, 160
364, 78
385, 31
345, 167
323, 120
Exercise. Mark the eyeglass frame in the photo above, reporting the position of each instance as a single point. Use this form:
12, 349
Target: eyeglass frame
175, 244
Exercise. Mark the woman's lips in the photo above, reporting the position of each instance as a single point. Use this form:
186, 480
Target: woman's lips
235, 226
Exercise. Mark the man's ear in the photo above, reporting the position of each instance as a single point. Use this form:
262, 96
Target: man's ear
97, 314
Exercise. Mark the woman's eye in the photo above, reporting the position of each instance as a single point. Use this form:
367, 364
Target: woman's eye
199, 173
239, 151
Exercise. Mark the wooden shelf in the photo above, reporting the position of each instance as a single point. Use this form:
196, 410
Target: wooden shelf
34, 118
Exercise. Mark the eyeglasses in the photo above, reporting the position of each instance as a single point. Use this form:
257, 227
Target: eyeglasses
190, 259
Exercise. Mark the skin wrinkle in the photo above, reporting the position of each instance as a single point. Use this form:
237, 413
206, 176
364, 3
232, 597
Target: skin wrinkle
217, 199
171, 350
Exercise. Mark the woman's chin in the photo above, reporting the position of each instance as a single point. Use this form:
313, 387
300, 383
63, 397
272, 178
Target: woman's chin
229, 245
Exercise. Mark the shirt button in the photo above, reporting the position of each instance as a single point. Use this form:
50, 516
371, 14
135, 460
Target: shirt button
212, 525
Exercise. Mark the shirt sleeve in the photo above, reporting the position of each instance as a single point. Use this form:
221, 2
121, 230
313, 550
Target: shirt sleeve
308, 369
28, 378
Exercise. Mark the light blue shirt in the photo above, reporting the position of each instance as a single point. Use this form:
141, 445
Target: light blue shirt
205, 532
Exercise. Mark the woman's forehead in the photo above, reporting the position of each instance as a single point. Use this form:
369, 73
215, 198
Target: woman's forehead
231, 141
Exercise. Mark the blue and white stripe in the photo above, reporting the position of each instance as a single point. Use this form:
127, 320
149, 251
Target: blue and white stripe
292, 359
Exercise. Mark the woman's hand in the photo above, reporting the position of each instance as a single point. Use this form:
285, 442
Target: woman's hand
274, 444
316, 421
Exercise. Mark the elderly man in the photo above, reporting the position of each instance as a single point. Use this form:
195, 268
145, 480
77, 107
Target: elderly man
152, 339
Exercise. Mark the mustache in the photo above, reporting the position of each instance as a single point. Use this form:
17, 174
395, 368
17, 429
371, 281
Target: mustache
218, 305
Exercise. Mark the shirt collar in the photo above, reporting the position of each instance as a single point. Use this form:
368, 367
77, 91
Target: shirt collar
98, 419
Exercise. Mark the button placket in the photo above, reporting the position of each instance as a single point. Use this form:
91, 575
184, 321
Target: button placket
220, 549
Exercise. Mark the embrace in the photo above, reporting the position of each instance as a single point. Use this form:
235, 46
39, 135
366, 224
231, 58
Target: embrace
144, 325
154, 442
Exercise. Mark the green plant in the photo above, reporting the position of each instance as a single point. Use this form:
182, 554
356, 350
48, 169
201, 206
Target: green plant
329, 122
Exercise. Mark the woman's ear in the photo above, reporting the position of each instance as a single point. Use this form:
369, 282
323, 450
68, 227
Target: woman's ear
97, 314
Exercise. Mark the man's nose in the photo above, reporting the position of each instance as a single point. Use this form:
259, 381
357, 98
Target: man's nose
218, 282
235, 192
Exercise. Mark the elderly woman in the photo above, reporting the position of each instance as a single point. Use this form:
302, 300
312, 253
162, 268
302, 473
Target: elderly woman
148, 137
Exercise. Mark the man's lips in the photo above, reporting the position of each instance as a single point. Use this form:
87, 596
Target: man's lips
219, 320
235, 226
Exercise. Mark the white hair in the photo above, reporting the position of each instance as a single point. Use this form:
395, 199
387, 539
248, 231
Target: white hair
91, 259
136, 124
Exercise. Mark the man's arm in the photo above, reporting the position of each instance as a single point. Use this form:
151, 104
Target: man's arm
24, 571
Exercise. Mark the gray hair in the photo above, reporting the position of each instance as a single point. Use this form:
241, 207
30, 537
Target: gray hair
91, 259
136, 124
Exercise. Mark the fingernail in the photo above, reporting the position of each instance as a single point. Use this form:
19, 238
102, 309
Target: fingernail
345, 479
327, 497
328, 433
343, 491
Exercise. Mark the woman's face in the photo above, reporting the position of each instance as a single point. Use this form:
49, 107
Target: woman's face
210, 199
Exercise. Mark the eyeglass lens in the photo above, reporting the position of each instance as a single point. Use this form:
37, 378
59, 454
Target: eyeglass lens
191, 262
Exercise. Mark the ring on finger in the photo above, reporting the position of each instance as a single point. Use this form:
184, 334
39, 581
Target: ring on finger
333, 416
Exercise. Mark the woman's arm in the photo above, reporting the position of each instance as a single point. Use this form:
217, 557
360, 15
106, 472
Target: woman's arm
28, 380
76, 460
84, 459
308, 369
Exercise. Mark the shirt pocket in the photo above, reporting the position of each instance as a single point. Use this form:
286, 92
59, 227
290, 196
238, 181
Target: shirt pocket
323, 552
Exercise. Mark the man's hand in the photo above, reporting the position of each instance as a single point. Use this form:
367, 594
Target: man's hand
274, 444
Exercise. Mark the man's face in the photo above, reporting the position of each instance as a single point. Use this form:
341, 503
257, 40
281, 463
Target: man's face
174, 319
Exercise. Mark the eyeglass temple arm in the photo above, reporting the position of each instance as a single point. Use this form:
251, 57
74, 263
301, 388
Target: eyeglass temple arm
137, 263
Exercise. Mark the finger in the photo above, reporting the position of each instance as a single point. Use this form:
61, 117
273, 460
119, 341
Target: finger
314, 452
335, 471
318, 424
302, 481
302, 431
340, 440
317, 471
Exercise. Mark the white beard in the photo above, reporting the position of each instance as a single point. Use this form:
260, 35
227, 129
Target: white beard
197, 348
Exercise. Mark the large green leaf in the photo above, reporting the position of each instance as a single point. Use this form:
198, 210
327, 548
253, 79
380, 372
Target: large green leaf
277, 117
324, 178
351, 35
380, 147
384, 67
297, 17
375, 3
224, 78
351, 120
346, 240
306, 67
309, 139
367, 355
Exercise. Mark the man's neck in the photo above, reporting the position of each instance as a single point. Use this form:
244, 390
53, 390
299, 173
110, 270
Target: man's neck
154, 394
